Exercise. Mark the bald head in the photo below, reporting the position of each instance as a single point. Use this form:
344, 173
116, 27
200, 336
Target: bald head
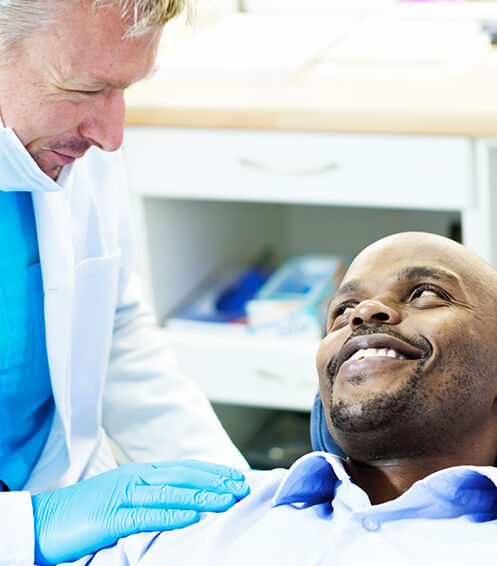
408, 365
419, 247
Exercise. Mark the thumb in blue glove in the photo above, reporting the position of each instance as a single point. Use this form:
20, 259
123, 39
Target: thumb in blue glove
80, 519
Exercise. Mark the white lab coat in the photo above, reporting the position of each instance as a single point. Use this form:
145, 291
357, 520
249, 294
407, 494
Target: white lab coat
110, 367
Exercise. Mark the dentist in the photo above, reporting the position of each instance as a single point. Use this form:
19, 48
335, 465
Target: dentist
80, 357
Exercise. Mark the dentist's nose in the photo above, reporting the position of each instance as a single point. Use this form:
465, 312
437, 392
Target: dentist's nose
105, 127
373, 312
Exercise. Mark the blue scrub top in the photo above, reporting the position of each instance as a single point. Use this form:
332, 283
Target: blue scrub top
26, 400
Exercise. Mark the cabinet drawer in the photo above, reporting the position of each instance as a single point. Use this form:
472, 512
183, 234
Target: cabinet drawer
247, 370
301, 167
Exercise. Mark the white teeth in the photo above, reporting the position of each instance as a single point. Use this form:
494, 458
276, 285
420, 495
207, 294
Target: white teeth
376, 352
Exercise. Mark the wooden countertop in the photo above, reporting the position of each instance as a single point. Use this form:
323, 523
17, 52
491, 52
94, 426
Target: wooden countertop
464, 105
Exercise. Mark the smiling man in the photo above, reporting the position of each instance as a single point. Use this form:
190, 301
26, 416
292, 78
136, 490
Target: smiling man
81, 358
407, 367
408, 380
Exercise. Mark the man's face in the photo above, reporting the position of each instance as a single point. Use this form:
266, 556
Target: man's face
408, 363
65, 91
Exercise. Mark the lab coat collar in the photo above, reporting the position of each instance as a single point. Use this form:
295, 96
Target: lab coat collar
20, 172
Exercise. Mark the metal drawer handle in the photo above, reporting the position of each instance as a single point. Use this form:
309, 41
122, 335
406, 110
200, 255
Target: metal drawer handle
270, 375
274, 170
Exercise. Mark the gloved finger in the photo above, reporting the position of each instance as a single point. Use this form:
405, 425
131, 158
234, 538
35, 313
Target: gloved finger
192, 478
217, 469
130, 521
181, 498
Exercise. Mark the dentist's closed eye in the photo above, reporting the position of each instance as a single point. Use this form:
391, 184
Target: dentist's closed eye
89, 92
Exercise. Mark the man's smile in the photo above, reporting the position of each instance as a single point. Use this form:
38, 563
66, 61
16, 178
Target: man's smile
377, 347
63, 158
380, 349
364, 353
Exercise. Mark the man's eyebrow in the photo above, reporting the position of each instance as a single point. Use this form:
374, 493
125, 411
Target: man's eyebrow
418, 272
415, 272
98, 83
126, 84
349, 287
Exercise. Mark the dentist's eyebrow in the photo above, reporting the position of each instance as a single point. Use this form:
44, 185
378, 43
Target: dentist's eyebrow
103, 82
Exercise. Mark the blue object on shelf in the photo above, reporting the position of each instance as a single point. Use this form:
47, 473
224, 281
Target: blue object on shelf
293, 300
223, 298
233, 299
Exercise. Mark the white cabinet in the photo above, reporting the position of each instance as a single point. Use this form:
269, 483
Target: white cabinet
208, 199
301, 168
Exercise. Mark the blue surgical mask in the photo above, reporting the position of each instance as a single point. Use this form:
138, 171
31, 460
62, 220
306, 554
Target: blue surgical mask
18, 170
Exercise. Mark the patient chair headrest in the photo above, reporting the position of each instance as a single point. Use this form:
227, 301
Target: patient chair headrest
320, 436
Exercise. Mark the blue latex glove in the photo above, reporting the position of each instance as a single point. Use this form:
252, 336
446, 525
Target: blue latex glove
85, 517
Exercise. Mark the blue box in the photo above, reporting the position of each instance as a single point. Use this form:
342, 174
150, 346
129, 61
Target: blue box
293, 301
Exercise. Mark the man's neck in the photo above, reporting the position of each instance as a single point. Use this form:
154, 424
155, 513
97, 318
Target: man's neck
384, 480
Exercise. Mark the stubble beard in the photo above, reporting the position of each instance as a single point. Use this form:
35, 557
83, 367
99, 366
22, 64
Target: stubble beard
374, 427
67, 147
379, 410
417, 419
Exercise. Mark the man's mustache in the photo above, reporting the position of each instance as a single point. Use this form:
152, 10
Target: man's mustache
419, 342
72, 146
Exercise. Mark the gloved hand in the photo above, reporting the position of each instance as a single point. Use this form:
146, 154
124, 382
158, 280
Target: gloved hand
83, 518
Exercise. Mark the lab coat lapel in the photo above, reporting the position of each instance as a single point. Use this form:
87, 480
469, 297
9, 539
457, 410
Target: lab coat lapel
53, 219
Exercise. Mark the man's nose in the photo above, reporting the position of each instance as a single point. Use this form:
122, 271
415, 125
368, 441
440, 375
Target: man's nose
105, 125
372, 312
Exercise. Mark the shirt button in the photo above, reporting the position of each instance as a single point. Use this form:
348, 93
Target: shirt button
370, 524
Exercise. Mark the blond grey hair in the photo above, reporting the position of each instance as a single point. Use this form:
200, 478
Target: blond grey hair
19, 18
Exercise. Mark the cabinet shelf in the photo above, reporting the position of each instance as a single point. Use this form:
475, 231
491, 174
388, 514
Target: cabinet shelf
239, 368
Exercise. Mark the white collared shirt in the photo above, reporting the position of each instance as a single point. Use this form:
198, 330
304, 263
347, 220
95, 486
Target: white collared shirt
314, 514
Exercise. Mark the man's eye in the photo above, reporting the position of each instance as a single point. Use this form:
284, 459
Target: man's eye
82, 92
339, 316
341, 310
426, 292
89, 92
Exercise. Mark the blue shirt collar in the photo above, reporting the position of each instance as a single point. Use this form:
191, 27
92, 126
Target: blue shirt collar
311, 479
470, 489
